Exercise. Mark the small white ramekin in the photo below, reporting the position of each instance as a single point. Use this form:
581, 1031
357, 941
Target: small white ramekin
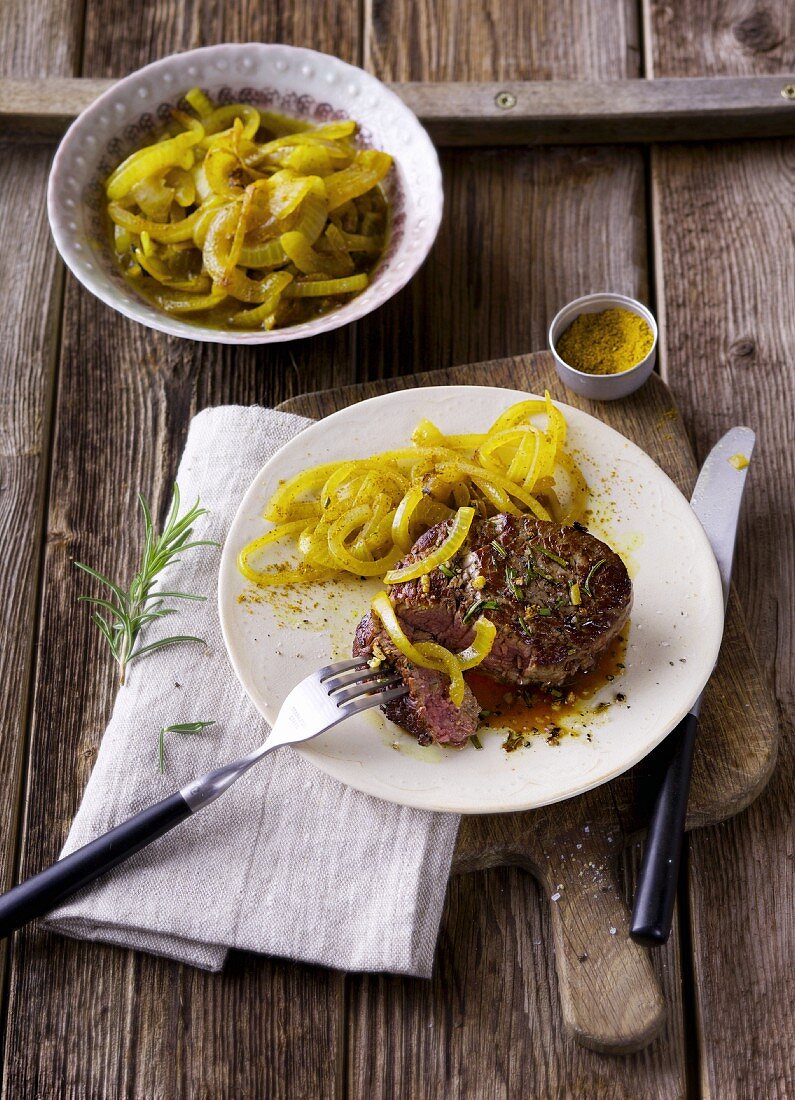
601, 387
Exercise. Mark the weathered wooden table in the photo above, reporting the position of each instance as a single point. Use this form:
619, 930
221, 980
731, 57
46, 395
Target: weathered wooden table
93, 408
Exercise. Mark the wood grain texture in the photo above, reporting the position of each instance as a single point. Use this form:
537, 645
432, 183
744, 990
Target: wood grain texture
737, 248
609, 998
498, 41
488, 1024
523, 230
542, 112
504, 262
153, 29
724, 232
28, 348
41, 40
104, 1023
718, 37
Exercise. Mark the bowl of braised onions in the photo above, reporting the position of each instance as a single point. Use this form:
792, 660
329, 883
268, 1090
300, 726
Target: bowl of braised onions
247, 193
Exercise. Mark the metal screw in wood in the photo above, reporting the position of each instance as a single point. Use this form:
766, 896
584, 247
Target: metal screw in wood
505, 100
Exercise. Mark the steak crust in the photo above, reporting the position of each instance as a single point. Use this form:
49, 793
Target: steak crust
527, 568
520, 572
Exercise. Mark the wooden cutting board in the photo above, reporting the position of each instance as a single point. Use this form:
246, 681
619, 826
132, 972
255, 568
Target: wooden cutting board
610, 997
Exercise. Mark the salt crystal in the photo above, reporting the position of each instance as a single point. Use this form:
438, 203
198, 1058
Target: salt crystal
555, 896
612, 931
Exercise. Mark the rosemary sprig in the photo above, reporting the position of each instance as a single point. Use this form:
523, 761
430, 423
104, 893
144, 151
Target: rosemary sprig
510, 583
128, 611
548, 554
524, 627
176, 727
597, 565
479, 605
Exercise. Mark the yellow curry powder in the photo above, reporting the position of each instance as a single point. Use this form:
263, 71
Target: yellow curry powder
605, 343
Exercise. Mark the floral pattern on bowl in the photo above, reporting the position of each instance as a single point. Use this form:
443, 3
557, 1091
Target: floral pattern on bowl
294, 81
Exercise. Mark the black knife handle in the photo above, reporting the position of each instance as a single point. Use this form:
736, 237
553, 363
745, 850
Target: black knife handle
45, 891
655, 895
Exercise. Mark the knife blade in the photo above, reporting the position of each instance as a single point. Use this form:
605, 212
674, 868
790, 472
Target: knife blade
716, 500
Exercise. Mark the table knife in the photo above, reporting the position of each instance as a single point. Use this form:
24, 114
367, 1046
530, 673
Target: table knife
716, 501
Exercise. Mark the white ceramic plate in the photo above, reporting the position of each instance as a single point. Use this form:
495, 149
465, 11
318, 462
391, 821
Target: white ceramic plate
674, 637
298, 82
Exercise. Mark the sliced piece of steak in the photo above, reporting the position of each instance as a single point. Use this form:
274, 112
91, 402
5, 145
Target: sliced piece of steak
426, 711
520, 571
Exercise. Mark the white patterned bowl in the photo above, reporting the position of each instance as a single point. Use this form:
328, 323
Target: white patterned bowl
295, 81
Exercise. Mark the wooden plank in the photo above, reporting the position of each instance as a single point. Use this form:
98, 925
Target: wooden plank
88, 1021
31, 286
40, 40
28, 345
523, 232
724, 271
553, 112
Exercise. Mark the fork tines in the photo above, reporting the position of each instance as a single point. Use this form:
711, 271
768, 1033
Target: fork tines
353, 685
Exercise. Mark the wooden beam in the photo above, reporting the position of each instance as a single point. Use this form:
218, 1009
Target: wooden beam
561, 112
548, 112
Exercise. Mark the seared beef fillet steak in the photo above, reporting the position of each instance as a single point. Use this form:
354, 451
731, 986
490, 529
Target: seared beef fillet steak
519, 571
426, 711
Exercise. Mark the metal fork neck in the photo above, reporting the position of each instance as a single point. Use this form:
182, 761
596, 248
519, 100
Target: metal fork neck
204, 790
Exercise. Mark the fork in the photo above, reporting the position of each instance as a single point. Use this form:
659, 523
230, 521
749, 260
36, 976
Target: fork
318, 703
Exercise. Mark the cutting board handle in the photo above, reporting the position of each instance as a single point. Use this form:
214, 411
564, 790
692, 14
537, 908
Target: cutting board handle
610, 996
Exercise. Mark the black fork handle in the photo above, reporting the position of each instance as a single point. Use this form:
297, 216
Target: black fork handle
43, 892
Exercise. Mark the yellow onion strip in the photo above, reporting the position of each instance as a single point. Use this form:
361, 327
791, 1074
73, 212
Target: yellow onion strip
404, 513
432, 655
446, 549
276, 574
341, 529
478, 651
386, 613
449, 665
321, 288
578, 489
173, 153
168, 232
284, 499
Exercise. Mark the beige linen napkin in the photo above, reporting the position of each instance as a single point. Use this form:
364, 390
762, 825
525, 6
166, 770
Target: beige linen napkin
288, 862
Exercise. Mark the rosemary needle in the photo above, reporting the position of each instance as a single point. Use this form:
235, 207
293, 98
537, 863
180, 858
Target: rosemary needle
177, 727
128, 611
